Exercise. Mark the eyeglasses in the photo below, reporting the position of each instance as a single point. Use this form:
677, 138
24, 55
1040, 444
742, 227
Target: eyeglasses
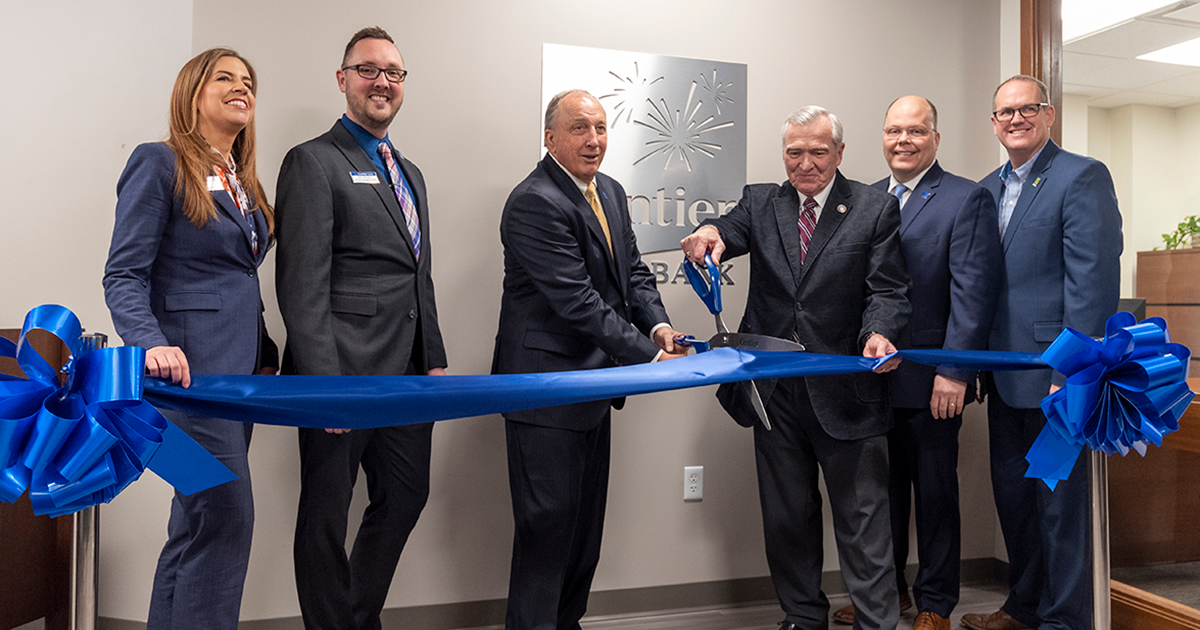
1027, 111
916, 133
370, 73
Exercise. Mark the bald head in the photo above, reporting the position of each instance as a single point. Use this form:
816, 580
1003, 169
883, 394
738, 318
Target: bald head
910, 136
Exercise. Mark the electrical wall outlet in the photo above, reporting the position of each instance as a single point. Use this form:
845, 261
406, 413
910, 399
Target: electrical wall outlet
693, 483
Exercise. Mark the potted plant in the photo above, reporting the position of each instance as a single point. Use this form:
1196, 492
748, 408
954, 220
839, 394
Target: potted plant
1183, 234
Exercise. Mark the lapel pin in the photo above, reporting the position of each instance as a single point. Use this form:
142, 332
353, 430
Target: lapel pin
1036, 182
927, 195
841, 208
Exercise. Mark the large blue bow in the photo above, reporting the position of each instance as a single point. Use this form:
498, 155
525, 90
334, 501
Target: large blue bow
1121, 393
80, 444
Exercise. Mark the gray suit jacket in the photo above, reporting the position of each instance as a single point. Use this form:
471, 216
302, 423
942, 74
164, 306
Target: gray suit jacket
354, 297
852, 282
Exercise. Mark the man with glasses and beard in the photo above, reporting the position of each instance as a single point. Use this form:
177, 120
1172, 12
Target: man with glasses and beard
354, 287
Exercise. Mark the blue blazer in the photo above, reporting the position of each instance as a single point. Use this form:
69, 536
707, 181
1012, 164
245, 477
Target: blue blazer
952, 249
1062, 263
170, 283
568, 304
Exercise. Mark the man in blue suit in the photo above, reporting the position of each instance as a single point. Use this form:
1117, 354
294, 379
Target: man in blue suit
1060, 232
948, 237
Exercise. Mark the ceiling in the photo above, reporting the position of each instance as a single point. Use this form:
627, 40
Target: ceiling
1104, 67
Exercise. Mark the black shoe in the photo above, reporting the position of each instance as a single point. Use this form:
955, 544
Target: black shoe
787, 625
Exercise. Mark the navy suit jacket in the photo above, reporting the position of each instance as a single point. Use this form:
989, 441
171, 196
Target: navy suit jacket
355, 298
852, 282
568, 303
952, 249
1062, 263
170, 283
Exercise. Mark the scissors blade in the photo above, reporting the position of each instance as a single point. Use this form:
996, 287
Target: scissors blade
747, 341
722, 329
759, 407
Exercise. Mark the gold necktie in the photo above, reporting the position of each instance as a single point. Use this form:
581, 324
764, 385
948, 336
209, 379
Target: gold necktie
594, 201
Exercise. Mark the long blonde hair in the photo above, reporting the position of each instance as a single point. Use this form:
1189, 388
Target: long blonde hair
194, 157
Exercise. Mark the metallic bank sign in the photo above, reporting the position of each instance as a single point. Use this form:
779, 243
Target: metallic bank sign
676, 133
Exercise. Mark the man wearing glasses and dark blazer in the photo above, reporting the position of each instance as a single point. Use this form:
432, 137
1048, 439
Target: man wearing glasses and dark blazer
354, 286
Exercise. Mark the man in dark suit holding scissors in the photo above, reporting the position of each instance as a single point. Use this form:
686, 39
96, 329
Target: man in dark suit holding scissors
826, 270
354, 285
576, 296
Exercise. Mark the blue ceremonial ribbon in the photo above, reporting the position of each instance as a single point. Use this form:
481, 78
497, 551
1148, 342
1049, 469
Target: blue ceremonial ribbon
82, 443
360, 402
1122, 393
79, 444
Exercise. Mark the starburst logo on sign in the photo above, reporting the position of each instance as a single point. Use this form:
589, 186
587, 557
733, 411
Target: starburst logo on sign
676, 137
630, 91
680, 134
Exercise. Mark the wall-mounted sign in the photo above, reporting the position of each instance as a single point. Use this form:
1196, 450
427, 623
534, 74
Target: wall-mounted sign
676, 133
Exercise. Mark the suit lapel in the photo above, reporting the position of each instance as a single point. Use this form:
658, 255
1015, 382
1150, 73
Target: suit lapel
571, 190
1034, 182
921, 196
831, 218
227, 206
361, 162
787, 216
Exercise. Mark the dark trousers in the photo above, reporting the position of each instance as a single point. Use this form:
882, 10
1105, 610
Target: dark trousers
202, 568
559, 484
856, 481
923, 458
1047, 533
336, 592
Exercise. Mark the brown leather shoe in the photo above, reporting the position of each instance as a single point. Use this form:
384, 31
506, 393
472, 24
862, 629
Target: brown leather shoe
845, 616
998, 620
931, 621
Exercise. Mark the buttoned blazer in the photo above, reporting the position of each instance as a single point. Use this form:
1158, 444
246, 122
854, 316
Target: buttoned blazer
569, 304
1062, 266
852, 282
168, 282
951, 245
354, 296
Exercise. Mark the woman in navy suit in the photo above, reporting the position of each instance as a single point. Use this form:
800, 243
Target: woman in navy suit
193, 225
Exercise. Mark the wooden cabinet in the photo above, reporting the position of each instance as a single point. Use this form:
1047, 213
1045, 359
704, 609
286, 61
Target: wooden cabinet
35, 551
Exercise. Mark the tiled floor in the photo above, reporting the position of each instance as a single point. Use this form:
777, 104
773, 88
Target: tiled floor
974, 599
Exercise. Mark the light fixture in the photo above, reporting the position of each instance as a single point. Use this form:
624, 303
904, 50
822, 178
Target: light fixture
1085, 17
1181, 54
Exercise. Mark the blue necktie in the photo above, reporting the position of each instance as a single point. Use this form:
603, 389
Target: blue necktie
899, 191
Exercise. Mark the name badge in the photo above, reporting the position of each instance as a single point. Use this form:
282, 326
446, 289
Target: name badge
214, 183
364, 178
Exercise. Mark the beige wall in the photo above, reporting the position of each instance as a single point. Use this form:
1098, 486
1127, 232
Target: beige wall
471, 122
1151, 152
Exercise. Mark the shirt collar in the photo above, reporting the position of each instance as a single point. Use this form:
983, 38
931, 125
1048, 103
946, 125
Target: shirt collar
365, 139
578, 182
1022, 171
820, 197
910, 184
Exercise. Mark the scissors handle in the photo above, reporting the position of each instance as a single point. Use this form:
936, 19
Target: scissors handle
709, 289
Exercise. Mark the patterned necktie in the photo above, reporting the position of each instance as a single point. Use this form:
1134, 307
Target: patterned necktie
899, 191
808, 223
594, 202
404, 196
